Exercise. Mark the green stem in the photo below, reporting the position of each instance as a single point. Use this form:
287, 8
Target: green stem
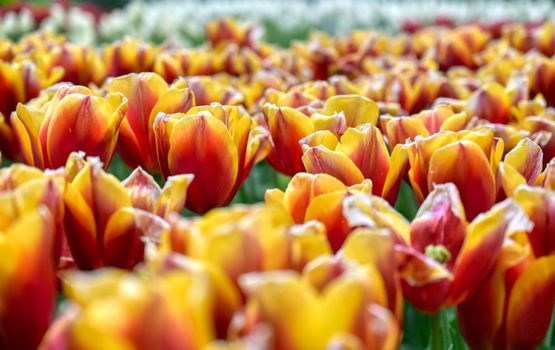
435, 331
550, 338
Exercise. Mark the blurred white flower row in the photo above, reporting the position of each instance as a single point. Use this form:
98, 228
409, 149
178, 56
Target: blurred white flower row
183, 21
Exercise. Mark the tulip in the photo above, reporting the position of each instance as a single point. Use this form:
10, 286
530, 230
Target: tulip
19, 82
511, 309
542, 130
244, 239
128, 56
75, 119
318, 197
299, 309
147, 95
24, 189
81, 65
107, 222
456, 47
469, 159
27, 280
208, 90
217, 144
288, 126
360, 154
443, 258
539, 205
426, 123
170, 305
491, 103
222, 32
376, 248
543, 78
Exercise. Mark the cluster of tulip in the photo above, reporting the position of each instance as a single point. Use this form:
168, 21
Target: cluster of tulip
462, 118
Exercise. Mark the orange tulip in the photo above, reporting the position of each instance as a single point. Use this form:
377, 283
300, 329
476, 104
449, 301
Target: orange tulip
24, 189
469, 159
103, 222
27, 279
298, 309
456, 47
491, 103
19, 82
318, 197
426, 123
217, 144
169, 304
244, 239
208, 90
147, 95
288, 126
128, 56
360, 154
75, 119
511, 309
441, 257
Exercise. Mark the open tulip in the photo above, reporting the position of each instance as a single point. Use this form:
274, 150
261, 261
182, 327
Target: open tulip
513, 307
299, 309
27, 280
170, 305
443, 258
147, 95
245, 239
75, 119
217, 144
401, 129
360, 153
288, 126
318, 197
469, 159
103, 222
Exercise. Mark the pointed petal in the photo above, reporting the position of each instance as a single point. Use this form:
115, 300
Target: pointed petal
464, 164
322, 160
531, 304
201, 145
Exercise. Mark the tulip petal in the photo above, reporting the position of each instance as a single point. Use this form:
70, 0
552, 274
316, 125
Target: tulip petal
531, 304
126, 234
366, 147
201, 145
357, 109
91, 121
322, 160
464, 164
527, 159
303, 188
482, 245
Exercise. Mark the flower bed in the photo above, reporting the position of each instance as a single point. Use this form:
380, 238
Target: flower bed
352, 191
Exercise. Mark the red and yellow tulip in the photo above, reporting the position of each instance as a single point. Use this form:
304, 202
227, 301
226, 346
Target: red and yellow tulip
27, 279
318, 197
513, 307
147, 95
288, 126
297, 308
107, 222
74, 119
217, 144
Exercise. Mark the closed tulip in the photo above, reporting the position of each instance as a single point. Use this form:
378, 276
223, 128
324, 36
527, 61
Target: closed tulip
218, 144
74, 119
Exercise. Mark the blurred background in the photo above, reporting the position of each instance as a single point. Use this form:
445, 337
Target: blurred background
182, 21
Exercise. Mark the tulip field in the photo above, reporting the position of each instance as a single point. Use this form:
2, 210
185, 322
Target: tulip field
238, 187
